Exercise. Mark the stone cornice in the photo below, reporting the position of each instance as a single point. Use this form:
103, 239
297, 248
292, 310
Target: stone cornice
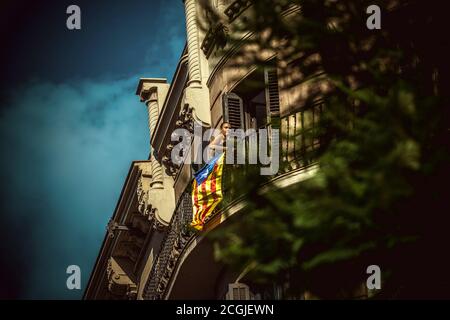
145, 86
120, 220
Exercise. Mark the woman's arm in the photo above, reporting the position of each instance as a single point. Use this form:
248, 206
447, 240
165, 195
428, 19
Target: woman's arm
216, 143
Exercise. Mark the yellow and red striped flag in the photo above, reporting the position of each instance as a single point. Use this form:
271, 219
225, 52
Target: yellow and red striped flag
207, 190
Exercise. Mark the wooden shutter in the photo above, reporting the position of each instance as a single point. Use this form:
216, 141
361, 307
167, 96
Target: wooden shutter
272, 93
233, 110
273, 105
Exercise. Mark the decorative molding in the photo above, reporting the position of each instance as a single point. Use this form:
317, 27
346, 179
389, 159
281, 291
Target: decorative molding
147, 94
236, 8
158, 225
215, 37
142, 196
145, 208
185, 121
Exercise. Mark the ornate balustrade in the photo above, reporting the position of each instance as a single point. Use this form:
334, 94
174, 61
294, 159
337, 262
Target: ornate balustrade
174, 241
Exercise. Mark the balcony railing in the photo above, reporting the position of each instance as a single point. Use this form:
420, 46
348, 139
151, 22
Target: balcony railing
173, 243
301, 137
300, 140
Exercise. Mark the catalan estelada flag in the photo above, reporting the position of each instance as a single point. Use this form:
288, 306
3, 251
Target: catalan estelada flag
207, 190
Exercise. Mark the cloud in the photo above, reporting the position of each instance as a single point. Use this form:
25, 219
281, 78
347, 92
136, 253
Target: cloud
66, 150
167, 41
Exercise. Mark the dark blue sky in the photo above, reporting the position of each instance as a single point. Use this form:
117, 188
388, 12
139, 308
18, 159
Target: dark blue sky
70, 125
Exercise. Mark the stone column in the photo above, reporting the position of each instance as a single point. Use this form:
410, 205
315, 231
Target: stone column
195, 78
196, 95
160, 199
153, 114
152, 91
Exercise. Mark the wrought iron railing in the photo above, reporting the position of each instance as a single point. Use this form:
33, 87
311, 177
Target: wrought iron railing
300, 138
175, 239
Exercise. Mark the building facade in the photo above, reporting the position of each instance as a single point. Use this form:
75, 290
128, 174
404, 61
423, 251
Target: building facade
149, 251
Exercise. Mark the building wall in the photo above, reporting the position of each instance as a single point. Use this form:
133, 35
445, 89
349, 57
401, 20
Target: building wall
171, 255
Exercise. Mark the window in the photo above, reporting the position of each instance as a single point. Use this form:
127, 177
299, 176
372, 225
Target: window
255, 102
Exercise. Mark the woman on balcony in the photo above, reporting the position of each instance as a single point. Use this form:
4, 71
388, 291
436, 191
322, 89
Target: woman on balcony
217, 144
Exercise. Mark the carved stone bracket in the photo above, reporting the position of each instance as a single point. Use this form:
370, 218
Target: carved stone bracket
145, 208
142, 197
185, 121
157, 225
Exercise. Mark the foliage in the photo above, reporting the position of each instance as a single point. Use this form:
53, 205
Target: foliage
380, 195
